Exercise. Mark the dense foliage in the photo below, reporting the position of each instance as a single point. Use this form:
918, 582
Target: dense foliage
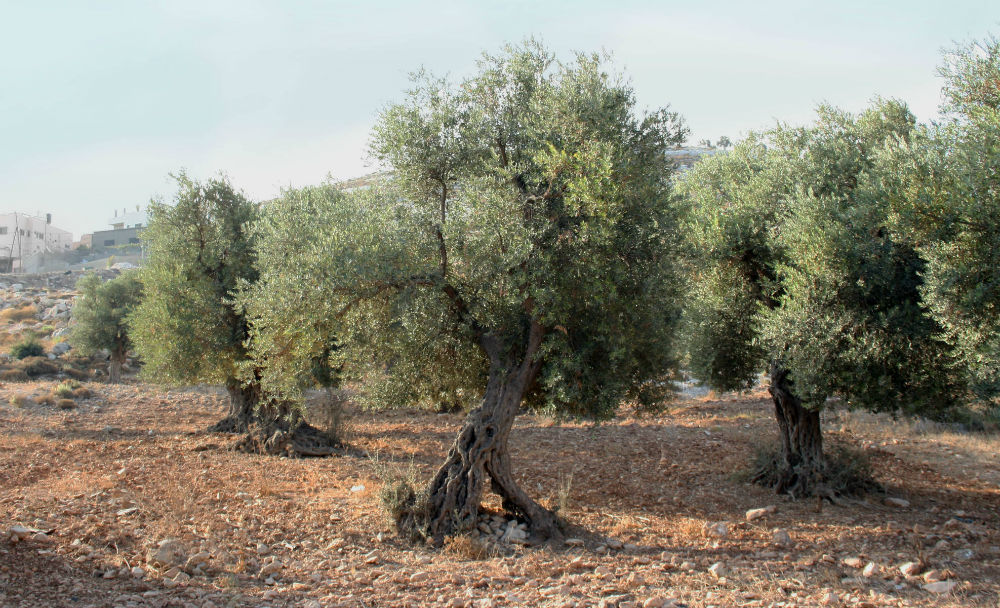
198, 250
951, 201
525, 248
797, 273
100, 317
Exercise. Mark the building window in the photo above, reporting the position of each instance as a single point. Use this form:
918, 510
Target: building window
109, 243
133, 241
3, 230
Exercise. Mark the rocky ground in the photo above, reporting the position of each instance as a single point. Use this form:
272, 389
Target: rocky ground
123, 501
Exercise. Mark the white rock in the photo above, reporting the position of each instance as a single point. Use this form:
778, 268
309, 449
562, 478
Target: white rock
940, 587
357, 488
870, 570
829, 599
753, 514
934, 576
902, 503
910, 569
169, 552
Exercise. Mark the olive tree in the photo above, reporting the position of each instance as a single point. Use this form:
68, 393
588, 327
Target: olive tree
797, 275
950, 203
100, 315
523, 250
189, 327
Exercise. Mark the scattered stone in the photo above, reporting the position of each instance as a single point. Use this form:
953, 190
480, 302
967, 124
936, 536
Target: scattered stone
716, 530
753, 514
718, 570
574, 542
852, 562
892, 501
197, 560
830, 599
870, 570
138, 572
357, 488
934, 576
782, 537
270, 568
910, 568
940, 587
168, 552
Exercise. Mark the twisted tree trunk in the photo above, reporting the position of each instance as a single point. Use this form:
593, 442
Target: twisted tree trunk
243, 401
481, 451
270, 426
801, 466
115, 363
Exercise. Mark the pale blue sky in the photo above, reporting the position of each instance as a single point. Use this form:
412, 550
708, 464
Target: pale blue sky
100, 100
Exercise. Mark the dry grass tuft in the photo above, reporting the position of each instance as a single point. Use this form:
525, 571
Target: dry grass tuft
20, 400
466, 547
13, 315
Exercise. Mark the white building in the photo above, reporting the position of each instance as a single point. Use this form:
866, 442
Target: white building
129, 219
23, 235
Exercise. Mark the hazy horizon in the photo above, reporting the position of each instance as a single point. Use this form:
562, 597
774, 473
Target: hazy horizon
100, 104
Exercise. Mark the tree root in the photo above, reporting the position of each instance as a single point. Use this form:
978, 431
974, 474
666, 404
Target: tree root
230, 424
278, 438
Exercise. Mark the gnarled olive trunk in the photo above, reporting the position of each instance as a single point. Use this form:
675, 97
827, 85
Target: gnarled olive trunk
800, 467
481, 451
115, 363
243, 401
270, 426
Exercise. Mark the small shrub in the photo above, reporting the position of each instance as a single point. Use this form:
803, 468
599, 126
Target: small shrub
20, 400
75, 374
465, 546
48, 399
38, 366
66, 404
64, 390
563, 493
28, 347
404, 506
329, 416
19, 314
847, 472
13, 375
82, 393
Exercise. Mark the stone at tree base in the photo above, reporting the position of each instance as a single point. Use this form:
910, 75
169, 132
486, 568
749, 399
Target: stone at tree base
897, 502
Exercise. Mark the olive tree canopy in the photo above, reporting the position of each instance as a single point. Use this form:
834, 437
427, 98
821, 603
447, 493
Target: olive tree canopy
524, 250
